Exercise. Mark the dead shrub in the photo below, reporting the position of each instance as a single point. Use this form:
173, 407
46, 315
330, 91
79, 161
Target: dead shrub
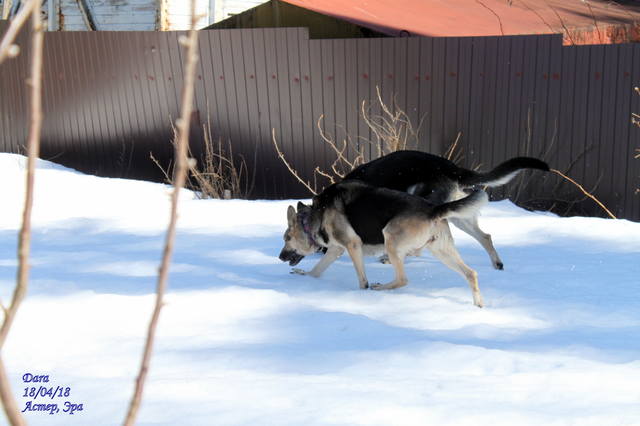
392, 131
216, 173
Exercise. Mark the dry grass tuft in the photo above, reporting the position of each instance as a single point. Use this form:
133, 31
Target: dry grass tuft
217, 174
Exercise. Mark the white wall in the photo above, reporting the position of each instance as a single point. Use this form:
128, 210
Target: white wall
141, 15
111, 15
225, 8
178, 14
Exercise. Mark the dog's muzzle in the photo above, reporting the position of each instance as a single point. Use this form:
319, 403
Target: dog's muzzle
290, 256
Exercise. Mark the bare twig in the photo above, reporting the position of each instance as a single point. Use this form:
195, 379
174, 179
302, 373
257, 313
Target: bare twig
522, 183
33, 149
191, 44
220, 175
496, 15
341, 154
291, 169
566, 30
24, 239
635, 119
452, 149
595, 20
581, 188
393, 131
538, 15
87, 17
326, 175
162, 169
5, 10
7, 48
216, 174
8, 401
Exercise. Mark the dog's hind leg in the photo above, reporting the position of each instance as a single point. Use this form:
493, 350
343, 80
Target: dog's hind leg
444, 249
470, 226
384, 259
396, 258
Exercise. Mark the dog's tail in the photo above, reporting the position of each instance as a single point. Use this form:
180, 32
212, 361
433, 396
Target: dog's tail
503, 173
464, 207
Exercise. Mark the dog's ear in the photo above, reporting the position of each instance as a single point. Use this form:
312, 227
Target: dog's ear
302, 207
291, 216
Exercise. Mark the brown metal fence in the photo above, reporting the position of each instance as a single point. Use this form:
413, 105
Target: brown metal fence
110, 97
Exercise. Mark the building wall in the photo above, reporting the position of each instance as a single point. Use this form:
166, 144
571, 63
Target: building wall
179, 17
142, 15
224, 9
139, 15
109, 15
278, 14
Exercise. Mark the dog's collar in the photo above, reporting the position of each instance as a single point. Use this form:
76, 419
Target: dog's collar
306, 227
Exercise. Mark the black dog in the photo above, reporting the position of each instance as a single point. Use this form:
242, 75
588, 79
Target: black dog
439, 180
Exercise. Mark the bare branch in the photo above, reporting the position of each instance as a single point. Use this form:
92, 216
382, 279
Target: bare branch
8, 401
291, 169
181, 149
164, 171
581, 188
449, 154
327, 175
595, 20
538, 15
384, 106
24, 238
339, 152
496, 15
392, 130
566, 30
7, 48
33, 149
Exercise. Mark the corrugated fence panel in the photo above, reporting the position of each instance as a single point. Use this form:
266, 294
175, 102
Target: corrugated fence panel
14, 94
110, 98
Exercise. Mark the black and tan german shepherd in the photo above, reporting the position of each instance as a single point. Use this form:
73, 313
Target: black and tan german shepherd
439, 180
364, 219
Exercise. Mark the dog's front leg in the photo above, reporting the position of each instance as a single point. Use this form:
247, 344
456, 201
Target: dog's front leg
329, 257
354, 247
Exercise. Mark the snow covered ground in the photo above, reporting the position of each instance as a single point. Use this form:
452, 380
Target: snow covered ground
241, 341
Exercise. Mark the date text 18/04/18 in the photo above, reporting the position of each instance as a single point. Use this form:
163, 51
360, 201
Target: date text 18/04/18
47, 393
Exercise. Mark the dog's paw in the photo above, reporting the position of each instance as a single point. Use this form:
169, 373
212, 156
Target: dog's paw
298, 271
499, 266
377, 286
477, 300
384, 259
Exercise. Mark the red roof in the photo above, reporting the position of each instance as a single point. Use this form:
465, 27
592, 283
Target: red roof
584, 21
